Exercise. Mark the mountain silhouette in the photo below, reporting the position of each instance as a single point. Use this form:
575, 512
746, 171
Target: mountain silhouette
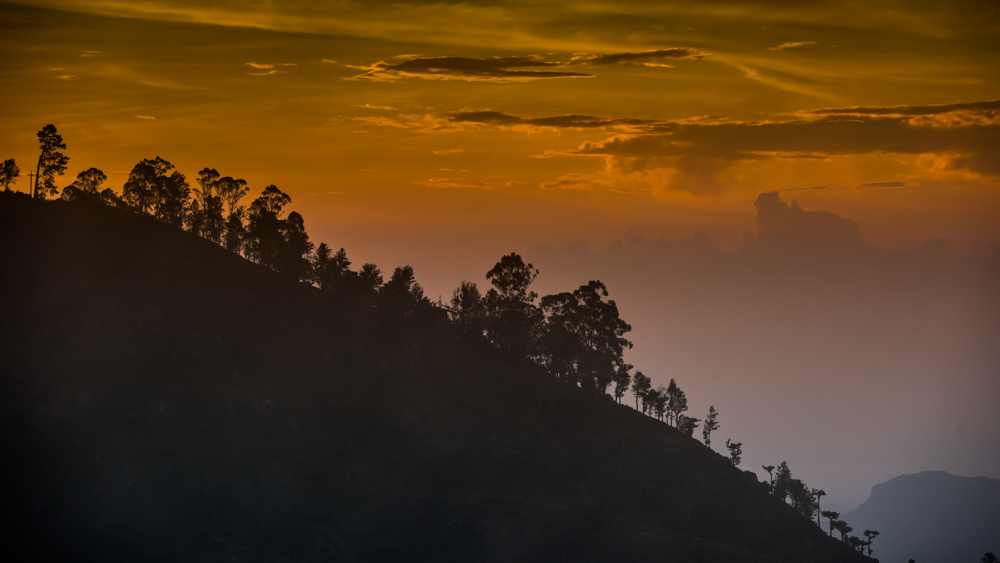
164, 399
932, 517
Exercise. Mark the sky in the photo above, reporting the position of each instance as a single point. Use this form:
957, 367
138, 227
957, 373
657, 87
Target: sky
797, 207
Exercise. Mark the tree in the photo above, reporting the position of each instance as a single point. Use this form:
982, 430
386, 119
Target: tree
87, 185
817, 494
871, 534
9, 172
801, 497
856, 543
154, 187
657, 401
622, 379
371, 277
264, 234
687, 424
782, 481
770, 472
510, 306
987, 557
711, 424
832, 516
583, 336
469, 313
293, 254
676, 403
640, 385
735, 451
402, 290
231, 191
235, 234
50, 161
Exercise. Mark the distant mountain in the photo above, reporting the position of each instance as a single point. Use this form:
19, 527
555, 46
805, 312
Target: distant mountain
162, 399
932, 517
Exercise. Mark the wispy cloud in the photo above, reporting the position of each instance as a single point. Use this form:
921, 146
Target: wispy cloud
66, 77
792, 45
268, 68
149, 117
493, 69
86, 54
449, 151
372, 106
654, 58
500, 119
452, 183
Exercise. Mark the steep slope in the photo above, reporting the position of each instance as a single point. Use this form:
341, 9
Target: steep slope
163, 399
932, 517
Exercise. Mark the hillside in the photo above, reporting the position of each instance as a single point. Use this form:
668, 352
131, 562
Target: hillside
932, 517
166, 400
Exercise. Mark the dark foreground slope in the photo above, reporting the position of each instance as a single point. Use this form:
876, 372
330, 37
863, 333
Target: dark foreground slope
932, 517
165, 400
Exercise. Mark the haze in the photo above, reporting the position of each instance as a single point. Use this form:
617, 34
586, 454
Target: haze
854, 333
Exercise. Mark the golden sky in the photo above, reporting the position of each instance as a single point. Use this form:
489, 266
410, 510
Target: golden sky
445, 134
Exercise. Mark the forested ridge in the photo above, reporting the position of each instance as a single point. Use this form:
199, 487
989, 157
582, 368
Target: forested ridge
178, 373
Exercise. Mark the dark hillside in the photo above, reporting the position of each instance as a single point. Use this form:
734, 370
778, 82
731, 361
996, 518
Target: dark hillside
166, 400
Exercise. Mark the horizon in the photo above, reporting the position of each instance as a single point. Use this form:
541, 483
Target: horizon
621, 143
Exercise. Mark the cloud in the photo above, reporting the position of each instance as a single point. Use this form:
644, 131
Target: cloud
571, 181
788, 228
452, 183
654, 58
493, 69
86, 54
371, 106
882, 185
381, 121
268, 68
792, 45
149, 117
559, 121
449, 151
66, 77
698, 152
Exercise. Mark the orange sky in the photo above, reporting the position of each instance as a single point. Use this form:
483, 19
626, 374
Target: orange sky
444, 135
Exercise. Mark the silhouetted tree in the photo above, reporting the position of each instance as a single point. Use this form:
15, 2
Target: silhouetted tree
154, 187
843, 528
987, 558
770, 472
832, 516
687, 424
371, 276
402, 290
735, 451
856, 543
264, 235
87, 185
511, 314
782, 481
711, 424
50, 161
817, 494
640, 385
871, 534
801, 497
235, 235
231, 191
469, 312
206, 218
676, 403
9, 172
583, 336
657, 401
622, 379
293, 257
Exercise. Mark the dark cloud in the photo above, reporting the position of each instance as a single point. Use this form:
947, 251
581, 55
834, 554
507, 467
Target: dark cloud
787, 227
644, 58
558, 121
991, 106
493, 69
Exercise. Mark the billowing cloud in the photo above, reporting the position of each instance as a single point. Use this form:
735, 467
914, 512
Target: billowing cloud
655, 58
788, 227
493, 69
792, 45
452, 183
